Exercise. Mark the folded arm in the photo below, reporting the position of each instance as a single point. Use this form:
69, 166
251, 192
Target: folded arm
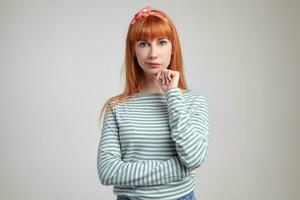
189, 129
113, 171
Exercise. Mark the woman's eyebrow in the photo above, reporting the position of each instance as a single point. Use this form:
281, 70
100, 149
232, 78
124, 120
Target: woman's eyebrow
157, 39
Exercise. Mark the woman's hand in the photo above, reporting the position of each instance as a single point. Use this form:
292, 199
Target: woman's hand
167, 79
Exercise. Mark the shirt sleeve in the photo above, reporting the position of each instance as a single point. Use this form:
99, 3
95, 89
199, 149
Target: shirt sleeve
189, 130
113, 171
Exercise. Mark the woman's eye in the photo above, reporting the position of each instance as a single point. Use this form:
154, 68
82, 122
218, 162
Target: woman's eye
142, 44
163, 42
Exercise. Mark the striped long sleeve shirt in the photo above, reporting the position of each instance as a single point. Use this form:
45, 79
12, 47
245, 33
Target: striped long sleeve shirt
151, 144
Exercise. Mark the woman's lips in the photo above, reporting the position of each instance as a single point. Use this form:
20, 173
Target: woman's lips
153, 65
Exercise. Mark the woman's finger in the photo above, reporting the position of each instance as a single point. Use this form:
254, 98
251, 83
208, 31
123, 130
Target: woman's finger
161, 77
167, 80
158, 75
169, 76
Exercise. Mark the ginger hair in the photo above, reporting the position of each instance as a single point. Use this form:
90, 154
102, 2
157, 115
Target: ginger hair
147, 28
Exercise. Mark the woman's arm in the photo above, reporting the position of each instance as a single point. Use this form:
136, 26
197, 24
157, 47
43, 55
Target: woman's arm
113, 171
188, 130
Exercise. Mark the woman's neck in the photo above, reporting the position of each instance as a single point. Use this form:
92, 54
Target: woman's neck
151, 85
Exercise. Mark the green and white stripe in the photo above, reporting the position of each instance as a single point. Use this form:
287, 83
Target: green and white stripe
151, 144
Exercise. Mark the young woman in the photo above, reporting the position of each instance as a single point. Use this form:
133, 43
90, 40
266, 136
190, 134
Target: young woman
155, 134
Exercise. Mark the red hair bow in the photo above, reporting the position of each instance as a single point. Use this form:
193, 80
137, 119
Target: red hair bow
145, 12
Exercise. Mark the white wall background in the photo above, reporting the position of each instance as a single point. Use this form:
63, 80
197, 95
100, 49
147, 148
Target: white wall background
60, 60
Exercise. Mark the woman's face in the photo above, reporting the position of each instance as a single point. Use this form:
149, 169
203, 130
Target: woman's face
157, 51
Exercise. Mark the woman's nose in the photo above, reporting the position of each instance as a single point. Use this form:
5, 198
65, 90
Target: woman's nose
153, 52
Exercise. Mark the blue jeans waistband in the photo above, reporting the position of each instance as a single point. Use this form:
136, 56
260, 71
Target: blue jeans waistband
189, 196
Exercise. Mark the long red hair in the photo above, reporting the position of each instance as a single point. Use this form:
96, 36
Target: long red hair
147, 28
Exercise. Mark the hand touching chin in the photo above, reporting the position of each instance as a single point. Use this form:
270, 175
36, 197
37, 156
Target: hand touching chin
167, 79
